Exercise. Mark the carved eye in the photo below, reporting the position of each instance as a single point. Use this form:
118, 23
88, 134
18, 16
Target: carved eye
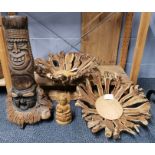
21, 45
29, 94
10, 46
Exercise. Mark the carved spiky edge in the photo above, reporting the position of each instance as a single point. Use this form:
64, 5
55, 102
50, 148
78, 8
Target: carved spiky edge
85, 65
131, 119
31, 116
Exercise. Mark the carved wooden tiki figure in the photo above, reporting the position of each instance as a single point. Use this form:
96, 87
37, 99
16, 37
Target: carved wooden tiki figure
27, 102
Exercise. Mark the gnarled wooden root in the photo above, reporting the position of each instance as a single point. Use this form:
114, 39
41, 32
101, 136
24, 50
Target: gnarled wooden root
41, 111
65, 68
136, 107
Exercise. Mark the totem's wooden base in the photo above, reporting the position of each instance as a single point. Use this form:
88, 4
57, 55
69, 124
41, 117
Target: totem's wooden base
41, 111
63, 123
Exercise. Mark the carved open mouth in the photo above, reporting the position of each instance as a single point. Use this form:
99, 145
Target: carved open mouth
17, 59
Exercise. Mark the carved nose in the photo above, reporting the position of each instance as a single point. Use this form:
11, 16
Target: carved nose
15, 49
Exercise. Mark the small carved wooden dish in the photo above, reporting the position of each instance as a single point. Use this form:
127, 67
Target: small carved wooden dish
108, 103
65, 69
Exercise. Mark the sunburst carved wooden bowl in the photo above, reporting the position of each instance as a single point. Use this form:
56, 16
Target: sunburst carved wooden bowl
66, 68
108, 103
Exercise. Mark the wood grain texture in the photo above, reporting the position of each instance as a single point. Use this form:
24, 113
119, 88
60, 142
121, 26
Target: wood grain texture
102, 41
140, 44
126, 39
4, 59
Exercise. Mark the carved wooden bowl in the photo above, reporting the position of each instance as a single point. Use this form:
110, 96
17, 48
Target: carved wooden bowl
64, 69
108, 103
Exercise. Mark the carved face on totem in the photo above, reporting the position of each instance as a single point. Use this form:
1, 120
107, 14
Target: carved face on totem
24, 99
24, 96
21, 62
19, 54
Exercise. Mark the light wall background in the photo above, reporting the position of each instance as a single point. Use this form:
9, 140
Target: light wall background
48, 29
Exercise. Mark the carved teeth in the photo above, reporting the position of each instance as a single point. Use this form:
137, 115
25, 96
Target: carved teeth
19, 59
15, 59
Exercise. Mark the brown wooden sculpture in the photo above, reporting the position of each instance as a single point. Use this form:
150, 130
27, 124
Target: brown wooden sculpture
108, 103
27, 102
63, 110
65, 69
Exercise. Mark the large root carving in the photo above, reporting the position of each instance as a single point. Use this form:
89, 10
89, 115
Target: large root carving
108, 92
65, 68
